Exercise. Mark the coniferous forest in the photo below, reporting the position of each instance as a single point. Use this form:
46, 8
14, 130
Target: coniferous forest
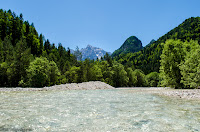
27, 59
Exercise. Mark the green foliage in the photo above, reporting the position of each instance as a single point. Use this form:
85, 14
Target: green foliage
41, 72
96, 73
72, 74
54, 73
41, 46
131, 45
190, 68
1, 52
131, 77
172, 56
138, 78
22, 58
38, 72
120, 78
47, 46
152, 79
8, 50
108, 58
179, 64
3, 74
108, 73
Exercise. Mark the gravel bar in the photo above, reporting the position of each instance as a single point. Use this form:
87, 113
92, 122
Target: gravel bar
179, 93
92, 85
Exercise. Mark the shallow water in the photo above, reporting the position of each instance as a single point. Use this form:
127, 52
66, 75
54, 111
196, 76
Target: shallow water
96, 110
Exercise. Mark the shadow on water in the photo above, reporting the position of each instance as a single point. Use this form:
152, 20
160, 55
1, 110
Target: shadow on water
14, 129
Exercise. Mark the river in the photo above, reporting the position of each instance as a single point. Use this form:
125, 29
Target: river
96, 110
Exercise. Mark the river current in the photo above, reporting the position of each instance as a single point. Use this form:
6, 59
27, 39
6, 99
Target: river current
96, 110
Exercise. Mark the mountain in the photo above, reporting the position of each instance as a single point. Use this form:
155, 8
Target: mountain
91, 52
131, 45
151, 42
148, 59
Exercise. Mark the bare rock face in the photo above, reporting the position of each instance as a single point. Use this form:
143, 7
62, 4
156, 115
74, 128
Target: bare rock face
91, 53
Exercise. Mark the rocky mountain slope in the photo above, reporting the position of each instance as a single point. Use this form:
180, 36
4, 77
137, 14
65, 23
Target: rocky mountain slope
91, 52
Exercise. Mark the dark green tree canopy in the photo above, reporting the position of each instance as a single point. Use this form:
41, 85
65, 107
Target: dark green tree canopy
131, 45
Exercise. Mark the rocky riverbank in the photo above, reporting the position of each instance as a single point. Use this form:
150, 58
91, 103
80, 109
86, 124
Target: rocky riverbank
92, 85
186, 93
179, 93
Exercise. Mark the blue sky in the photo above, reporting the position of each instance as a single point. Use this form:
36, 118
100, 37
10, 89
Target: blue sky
103, 23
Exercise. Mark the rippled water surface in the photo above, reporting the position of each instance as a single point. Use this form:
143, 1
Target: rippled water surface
96, 110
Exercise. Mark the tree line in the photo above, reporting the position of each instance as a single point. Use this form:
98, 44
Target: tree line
180, 64
27, 59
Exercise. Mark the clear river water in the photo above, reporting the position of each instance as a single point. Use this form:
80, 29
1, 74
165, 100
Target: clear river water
96, 110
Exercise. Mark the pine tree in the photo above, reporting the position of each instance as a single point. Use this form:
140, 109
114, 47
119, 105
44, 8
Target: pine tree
8, 51
41, 45
22, 57
1, 52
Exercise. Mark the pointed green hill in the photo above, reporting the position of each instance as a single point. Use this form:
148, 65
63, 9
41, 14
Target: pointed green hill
131, 45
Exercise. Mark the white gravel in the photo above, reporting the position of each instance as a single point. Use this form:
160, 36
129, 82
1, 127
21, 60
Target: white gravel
92, 85
185, 93
179, 93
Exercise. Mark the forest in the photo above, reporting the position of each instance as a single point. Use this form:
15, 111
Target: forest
27, 59
148, 59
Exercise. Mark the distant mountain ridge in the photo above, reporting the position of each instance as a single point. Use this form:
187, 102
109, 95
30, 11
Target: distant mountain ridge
92, 53
131, 45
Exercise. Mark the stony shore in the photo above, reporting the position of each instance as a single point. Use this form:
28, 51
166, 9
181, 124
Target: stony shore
179, 93
186, 93
92, 85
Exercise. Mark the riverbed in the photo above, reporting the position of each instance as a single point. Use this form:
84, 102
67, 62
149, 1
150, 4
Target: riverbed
96, 110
